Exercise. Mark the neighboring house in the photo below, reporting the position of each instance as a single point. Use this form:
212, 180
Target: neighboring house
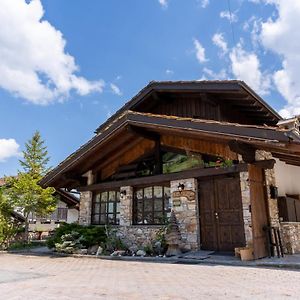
204, 149
67, 211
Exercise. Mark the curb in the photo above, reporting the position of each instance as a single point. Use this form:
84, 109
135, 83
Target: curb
169, 260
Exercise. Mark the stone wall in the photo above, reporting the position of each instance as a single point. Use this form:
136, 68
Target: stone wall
245, 191
291, 237
187, 213
137, 236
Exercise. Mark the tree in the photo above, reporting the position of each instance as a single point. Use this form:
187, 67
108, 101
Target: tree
7, 226
24, 189
35, 157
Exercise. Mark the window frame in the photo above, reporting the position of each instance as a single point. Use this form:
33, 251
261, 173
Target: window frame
163, 212
105, 215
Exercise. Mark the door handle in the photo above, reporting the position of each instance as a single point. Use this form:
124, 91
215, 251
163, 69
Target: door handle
216, 215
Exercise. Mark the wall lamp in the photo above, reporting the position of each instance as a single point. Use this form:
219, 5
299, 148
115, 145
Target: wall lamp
180, 187
123, 194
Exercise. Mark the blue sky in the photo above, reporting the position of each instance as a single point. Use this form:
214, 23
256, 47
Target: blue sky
64, 68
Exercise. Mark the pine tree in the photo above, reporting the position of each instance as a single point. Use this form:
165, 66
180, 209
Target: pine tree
25, 190
35, 157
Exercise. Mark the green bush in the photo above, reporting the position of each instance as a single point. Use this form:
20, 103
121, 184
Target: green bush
21, 245
89, 235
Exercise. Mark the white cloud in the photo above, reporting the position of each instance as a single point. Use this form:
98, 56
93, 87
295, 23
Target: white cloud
115, 89
34, 62
8, 148
163, 3
169, 72
282, 36
231, 17
219, 41
215, 75
204, 3
246, 66
200, 51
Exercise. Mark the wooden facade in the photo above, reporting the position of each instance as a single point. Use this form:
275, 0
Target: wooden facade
210, 132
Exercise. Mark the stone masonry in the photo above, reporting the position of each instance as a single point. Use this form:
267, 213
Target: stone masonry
245, 191
291, 237
85, 210
187, 213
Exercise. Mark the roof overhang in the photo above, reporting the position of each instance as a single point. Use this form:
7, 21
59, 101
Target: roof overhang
262, 137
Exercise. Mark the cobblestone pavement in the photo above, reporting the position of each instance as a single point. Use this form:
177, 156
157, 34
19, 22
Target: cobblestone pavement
39, 277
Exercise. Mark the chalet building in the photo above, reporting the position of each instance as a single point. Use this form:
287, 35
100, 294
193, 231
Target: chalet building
67, 211
208, 150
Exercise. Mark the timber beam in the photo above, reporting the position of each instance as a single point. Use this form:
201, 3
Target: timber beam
155, 179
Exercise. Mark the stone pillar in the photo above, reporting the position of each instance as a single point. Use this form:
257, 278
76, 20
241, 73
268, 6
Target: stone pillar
126, 206
85, 208
187, 212
245, 192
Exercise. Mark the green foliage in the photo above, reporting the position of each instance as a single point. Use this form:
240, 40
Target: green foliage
23, 245
7, 227
71, 243
88, 235
24, 190
26, 193
113, 242
35, 157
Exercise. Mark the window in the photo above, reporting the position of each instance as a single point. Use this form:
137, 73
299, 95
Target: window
106, 208
151, 205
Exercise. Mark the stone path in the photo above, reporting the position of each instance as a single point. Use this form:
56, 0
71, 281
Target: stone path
40, 277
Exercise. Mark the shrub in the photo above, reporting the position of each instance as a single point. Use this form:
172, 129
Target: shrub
88, 235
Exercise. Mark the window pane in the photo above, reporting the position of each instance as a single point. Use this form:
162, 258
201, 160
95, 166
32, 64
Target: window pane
148, 206
139, 194
148, 218
118, 196
97, 198
167, 205
157, 191
112, 196
103, 196
95, 219
148, 193
167, 192
159, 218
103, 219
117, 207
111, 207
97, 208
158, 205
103, 208
111, 219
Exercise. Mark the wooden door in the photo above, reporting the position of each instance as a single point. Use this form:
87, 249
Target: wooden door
221, 215
208, 226
259, 209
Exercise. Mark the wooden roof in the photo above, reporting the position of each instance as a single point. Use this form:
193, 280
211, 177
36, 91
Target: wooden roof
234, 92
68, 198
116, 135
